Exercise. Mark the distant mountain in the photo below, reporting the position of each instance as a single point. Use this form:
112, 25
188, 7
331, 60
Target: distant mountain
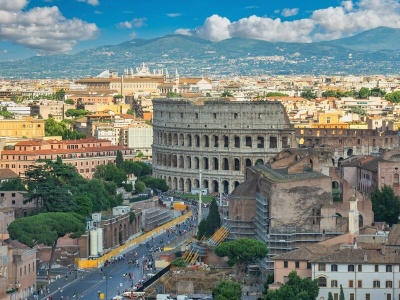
375, 51
380, 38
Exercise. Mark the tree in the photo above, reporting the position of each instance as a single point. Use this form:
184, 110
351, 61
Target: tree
140, 187
13, 184
131, 167
173, 95
358, 110
46, 228
201, 230
295, 288
363, 93
146, 169
341, 294
131, 112
307, 94
119, 160
276, 94
155, 183
377, 92
69, 101
227, 290
76, 113
241, 252
226, 94
54, 128
213, 220
330, 296
393, 97
110, 172
385, 205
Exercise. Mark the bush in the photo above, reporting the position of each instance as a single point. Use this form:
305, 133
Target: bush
178, 262
128, 187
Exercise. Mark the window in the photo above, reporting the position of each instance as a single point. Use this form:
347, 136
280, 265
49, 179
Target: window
334, 283
321, 267
335, 296
388, 268
351, 283
388, 296
376, 284
359, 283
389, 284
333, 268
214, 115
285, 264
350, 268
13, 202
297, 264
367, 296
12, 194
351, 296
322, 281
359, 268
1, 194
376, 268
308, 265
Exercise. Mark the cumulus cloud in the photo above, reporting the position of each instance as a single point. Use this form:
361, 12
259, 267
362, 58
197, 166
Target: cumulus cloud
347, 19
42, 28
91, 2
136, 22
289, 12
174, 15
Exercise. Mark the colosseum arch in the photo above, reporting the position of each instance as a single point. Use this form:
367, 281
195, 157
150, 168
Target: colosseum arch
205, 184
181, 162
181, 140
215, 186
215, 165
174, 183
188, 162
226, 141
206, 141
259, 162
215, 141
236, 164
205, 163
174, 161
248, 162
236, 183
225, 185
175, 139
196, 183
169, 139
165, 139
188, 185
225, 164
196, 163
169, 182
189, 140
285, 142
197, 141
180, 185
249, 141
164, 160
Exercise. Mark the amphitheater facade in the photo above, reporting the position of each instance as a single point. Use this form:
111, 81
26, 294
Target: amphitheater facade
218, 138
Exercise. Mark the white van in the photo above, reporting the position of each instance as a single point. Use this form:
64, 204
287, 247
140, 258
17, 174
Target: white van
164, 297
183, 297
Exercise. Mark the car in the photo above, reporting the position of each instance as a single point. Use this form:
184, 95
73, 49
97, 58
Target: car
149, 275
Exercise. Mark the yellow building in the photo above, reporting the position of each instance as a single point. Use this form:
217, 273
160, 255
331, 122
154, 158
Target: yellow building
330, 120
26, 127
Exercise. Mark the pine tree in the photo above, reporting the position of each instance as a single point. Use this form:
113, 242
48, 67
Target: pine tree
213, 221
330, 297
119, 160
341, 295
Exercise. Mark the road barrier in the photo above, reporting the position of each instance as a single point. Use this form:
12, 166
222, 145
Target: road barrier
83, 263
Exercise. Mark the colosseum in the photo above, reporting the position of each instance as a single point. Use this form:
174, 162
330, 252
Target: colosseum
216, 137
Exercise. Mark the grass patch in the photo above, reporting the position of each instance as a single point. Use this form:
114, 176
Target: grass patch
204, 199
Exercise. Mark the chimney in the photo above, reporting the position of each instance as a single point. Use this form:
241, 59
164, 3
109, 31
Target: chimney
365, 257
383, 250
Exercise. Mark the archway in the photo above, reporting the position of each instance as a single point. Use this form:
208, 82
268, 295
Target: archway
349, 152
259, 162
174, 183
236, 163
196, 183
248, 162
236, 183
215, 186
340, 161
188, 185
360, 221
225, 184
180, 185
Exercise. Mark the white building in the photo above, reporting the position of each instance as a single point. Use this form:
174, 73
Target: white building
363, 273
140, 138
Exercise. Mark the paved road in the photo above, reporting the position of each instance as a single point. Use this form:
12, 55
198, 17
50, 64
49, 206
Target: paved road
88, 283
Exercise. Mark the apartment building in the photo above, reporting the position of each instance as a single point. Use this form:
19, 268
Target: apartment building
51, 109
27, 127
84, 154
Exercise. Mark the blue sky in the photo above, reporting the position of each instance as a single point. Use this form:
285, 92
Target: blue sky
43, 27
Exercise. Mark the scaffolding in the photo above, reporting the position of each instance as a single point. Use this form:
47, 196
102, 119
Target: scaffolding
219, 236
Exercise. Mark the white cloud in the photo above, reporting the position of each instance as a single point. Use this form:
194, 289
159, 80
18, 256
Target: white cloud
14, 5
91, 2
277, 11
136, 22
5, 51
289, 12
42, 28
174, 15
347, 19
252, 6
133, 35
